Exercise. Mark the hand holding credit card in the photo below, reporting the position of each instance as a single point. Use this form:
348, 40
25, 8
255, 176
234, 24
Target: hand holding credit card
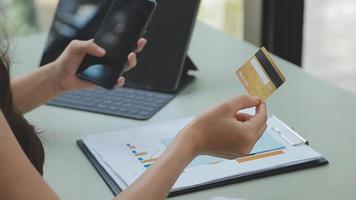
260, 75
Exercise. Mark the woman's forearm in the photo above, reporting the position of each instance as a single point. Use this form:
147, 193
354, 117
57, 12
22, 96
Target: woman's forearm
34, 89
156, 182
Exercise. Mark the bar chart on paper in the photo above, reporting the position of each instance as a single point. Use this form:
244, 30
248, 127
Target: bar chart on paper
147, 153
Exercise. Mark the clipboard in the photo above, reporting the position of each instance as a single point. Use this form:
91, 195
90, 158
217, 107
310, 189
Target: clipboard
115, 189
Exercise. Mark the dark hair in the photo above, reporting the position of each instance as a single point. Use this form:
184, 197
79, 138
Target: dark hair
25, 133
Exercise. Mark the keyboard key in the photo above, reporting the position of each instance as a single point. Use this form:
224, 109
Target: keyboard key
102, 106
136, 102
96, 100
144, 108
75, 97
150, 104
108, 101
159, 101
113, 108
144, 114
87, 99
139, 97
87, 94
126, 100
127, 105
140, 92
124, 110
166, 97
117, 103
149, 99
133, 111
97, 95
105, 96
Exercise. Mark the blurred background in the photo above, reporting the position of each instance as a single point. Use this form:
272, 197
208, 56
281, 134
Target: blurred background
317, 35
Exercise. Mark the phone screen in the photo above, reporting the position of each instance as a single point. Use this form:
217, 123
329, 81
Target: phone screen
124, 23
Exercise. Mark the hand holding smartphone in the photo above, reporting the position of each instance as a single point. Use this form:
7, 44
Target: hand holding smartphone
125, 22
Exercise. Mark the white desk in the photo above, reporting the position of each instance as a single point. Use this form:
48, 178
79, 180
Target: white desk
319, 111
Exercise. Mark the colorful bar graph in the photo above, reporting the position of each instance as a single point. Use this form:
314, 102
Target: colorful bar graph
141, 154
130, 146
148, 160
147, 166
260, 156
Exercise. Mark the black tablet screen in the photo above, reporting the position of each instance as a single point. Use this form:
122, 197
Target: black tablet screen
160, 64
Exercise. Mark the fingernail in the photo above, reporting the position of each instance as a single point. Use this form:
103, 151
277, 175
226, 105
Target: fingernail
122, 79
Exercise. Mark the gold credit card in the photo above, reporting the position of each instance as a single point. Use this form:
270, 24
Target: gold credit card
260, 75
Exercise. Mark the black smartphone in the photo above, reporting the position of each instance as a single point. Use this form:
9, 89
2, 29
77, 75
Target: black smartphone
125, 22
